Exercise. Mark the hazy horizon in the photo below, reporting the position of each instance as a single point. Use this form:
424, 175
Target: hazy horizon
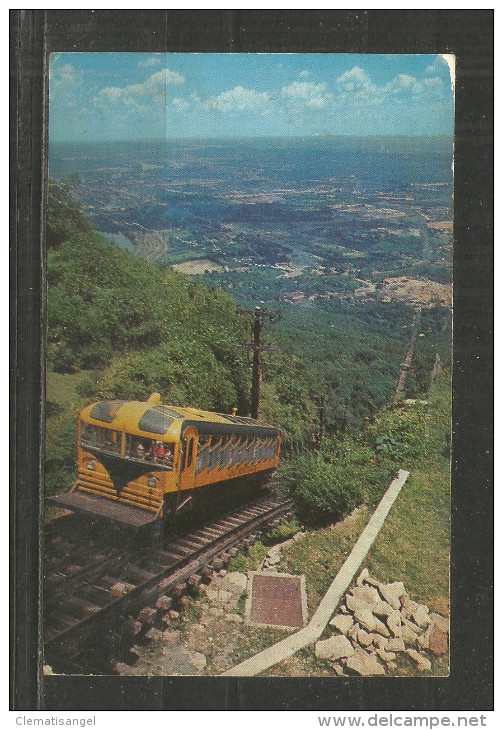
159, 140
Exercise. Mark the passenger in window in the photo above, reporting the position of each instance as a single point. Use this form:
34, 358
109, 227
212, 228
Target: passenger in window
150, 455
139, 451
168, 456
159, 452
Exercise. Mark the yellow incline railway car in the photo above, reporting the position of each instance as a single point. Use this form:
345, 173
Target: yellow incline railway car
138, 461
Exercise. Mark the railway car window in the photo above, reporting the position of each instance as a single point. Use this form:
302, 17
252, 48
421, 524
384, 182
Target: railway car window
111, 440
155, 421
234, 446
189, 452
155, 452
139, 449
242, 451
241, 457
213, 452
247, 451
225, 450
90, 435
162, 454
106, 410
202, 453
233, 458
96, 437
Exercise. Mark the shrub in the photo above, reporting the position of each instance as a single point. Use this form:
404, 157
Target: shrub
64, 360
283, 532
251, 561
60, 457
399, 433
320, 490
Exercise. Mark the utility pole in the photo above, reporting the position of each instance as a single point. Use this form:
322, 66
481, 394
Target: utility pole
259, 315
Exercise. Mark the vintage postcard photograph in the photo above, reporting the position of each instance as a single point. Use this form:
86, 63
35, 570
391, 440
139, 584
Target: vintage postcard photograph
248, 364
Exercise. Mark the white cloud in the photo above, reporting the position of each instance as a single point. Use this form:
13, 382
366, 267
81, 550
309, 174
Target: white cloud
432, 83
356, 80
237, 99
304, 95
356, 85
180, 104
152, 88
403, 83
439, 65
149, 62
63, 79
304, 74
443, 62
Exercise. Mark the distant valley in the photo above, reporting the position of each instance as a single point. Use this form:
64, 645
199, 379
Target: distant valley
284, 221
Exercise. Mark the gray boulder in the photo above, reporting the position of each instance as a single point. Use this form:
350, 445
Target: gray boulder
337, 647
365, 665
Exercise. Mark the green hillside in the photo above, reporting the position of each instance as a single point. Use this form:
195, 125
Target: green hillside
121, 327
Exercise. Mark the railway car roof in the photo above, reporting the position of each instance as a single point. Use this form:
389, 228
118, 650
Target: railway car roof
145, 417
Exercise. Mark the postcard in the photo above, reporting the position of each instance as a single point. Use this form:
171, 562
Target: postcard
249, 354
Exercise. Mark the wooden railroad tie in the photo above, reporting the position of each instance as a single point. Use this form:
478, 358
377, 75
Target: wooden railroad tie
194, 580
178, 590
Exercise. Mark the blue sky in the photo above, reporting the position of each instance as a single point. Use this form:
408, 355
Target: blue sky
113, 96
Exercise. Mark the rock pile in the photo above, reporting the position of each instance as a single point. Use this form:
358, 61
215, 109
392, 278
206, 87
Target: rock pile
375, 622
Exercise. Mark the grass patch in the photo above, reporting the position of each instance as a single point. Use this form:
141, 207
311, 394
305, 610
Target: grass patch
61, 388
283, 532
240, 606
321, 554
414, 542
413, 545
249, 561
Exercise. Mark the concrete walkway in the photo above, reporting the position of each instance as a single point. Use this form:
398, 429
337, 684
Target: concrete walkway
312, 632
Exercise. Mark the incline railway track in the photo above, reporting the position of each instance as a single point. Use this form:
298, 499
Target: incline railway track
94, 591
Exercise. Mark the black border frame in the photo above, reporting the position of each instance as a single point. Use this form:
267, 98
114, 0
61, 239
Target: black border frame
469, 35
